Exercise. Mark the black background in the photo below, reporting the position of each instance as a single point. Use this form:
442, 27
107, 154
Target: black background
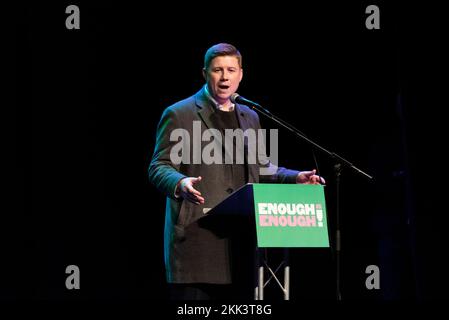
89, 100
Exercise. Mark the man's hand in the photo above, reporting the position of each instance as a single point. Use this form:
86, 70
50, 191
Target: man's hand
186, 190
309, 177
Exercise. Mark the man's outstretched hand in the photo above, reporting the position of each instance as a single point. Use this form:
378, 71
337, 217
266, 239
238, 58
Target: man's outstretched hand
309, 177
186, 190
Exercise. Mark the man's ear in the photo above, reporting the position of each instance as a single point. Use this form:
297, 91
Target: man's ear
241, 74
204, 73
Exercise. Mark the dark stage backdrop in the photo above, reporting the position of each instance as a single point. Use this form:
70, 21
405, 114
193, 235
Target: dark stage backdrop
89, 101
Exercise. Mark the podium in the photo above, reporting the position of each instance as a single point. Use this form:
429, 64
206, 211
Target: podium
272, 216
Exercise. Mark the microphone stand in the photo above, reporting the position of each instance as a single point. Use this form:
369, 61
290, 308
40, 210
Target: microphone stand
340, 162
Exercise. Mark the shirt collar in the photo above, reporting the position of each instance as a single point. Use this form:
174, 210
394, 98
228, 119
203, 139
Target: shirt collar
214, 102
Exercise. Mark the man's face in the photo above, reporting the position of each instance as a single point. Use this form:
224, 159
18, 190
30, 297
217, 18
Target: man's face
223, 77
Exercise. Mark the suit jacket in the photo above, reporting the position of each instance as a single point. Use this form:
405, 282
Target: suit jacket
194, 254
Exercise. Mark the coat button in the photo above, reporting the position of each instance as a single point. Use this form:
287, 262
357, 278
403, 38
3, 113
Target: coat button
229, 190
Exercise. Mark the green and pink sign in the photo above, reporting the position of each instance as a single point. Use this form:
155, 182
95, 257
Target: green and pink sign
290, 215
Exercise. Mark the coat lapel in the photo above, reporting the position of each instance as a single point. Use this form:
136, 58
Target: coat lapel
205, 110
243, 117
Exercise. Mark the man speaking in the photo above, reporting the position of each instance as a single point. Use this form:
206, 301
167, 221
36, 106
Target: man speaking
198, 262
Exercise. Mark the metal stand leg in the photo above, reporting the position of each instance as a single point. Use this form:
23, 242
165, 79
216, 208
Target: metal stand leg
261, 264
286, 275
260, 283
259, 268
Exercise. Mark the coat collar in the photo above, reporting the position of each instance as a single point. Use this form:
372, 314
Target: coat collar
206, 109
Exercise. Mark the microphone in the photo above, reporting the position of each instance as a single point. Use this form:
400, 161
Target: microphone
236, 98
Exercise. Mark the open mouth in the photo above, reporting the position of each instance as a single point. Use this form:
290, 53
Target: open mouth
223, 87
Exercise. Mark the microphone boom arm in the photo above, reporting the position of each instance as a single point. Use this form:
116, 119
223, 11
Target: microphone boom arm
298, 133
